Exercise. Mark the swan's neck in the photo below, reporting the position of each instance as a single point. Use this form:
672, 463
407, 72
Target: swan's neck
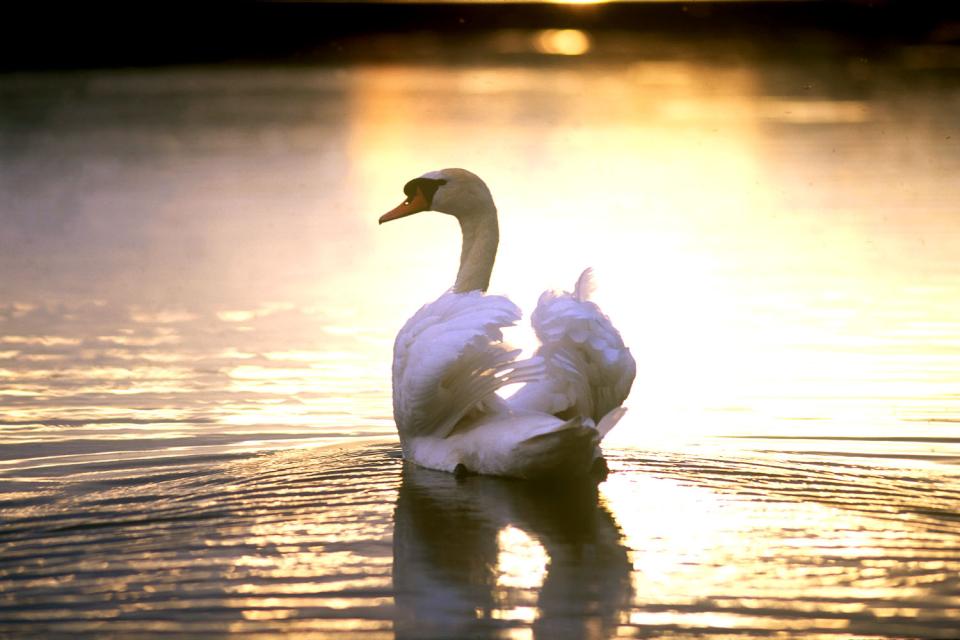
481, 235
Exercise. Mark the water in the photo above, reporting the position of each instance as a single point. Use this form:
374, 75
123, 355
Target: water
198, 309
347, 539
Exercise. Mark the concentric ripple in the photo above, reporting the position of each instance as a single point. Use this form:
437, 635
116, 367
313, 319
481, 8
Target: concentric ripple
351, 541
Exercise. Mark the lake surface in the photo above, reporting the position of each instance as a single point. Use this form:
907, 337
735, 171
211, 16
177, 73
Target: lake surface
197, 311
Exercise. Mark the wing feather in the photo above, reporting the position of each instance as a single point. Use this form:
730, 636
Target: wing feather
449, 357
589, 371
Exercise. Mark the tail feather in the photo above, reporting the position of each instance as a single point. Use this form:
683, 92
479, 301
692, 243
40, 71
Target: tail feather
589, 370
585, 285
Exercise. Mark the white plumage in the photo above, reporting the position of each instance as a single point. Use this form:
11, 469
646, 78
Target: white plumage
450, 360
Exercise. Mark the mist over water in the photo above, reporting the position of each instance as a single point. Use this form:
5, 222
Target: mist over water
197, 312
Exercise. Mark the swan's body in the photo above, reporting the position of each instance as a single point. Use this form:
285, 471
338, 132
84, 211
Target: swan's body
450, 360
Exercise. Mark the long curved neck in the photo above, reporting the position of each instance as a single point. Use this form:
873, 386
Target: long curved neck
481, 234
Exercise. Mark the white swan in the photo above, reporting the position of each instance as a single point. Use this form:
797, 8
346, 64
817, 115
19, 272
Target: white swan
449, 361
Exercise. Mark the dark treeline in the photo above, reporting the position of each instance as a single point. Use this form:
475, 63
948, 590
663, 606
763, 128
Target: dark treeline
96, 34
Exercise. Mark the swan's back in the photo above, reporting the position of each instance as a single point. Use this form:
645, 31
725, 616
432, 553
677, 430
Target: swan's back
450, 360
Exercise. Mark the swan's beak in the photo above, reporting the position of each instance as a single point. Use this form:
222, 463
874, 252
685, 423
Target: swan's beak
408, 207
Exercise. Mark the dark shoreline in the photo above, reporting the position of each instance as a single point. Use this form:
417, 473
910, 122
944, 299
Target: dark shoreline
105, 34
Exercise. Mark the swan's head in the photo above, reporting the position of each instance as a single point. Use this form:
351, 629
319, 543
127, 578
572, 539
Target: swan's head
454, 191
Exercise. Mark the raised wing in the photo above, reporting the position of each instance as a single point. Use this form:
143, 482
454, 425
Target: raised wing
450, 357
589, 371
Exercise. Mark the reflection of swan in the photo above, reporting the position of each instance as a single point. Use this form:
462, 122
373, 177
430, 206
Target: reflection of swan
449, 360
447, 559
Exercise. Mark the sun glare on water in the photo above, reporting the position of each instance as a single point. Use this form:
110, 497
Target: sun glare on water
742, 300
563, 42
196, 350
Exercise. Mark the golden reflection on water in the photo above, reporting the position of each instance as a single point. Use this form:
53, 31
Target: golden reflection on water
563, 42
779, 254
741, 276
340, 539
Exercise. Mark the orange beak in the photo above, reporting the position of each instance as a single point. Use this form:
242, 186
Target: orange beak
408, 207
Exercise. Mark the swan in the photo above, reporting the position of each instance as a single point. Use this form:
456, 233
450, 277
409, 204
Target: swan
449, 361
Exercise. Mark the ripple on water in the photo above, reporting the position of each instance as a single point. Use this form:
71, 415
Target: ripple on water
349, 540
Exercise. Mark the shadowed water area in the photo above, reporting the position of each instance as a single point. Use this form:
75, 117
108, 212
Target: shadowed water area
197, 312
